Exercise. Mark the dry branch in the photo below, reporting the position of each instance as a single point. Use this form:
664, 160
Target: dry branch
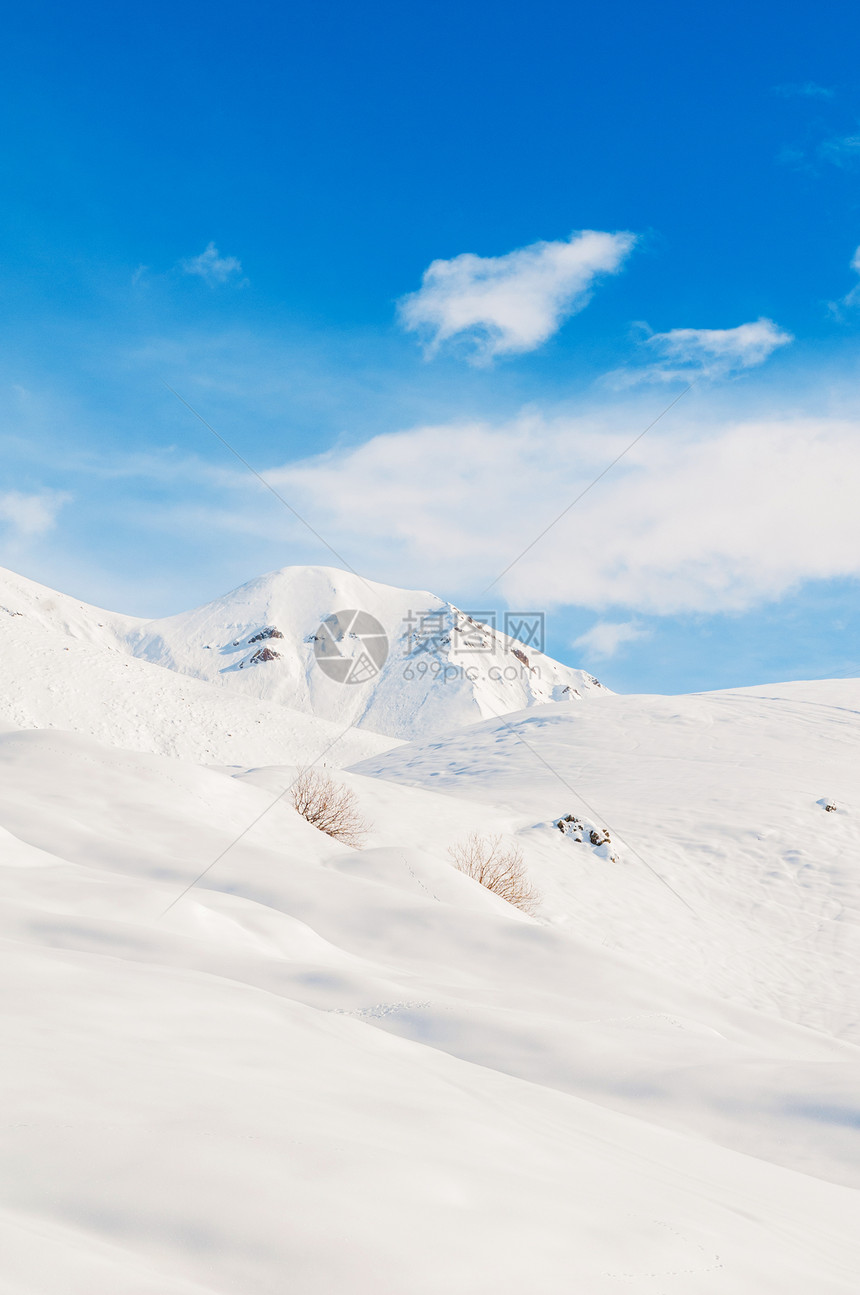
330, 807
499, 868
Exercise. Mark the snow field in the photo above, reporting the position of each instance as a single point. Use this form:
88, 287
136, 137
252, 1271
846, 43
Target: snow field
325, 1070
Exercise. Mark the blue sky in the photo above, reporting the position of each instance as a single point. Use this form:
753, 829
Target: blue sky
246, 204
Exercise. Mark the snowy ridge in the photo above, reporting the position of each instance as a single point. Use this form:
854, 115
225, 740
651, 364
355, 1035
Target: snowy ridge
321, 1069
54, 613
67, 665
256, 644
443, 668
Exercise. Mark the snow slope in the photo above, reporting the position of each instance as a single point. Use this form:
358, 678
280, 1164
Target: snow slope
241, 1057
442, 670
267, 1087
66, 665
213, 696
719, 794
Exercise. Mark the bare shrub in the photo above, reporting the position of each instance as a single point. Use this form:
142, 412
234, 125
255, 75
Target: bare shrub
330, 807
499, 868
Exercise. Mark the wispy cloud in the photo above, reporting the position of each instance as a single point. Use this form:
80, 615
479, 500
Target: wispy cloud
30, 516
717, 517
688, 353
844, 151
605, 638
212, 267
851, 298
507, 305
804, 90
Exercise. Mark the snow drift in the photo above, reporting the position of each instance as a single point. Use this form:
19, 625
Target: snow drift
241, 1057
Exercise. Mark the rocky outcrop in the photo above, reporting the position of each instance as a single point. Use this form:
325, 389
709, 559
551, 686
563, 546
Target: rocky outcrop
270, 632
264, 654
583, 832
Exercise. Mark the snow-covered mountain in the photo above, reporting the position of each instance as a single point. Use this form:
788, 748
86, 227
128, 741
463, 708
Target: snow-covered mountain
67, 665
438, 669
239, 1056
441, 667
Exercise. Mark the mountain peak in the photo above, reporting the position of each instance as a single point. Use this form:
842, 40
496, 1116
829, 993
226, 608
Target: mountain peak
400, 662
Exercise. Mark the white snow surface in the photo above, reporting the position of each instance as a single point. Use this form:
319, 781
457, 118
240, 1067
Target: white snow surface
323, 1070
442, 670
68, 665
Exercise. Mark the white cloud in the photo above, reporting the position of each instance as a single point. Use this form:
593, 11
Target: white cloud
851, 298
709, 519
29, 516
687, 353
506, 305
844, 152
212, 267
804, 90
604, 638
